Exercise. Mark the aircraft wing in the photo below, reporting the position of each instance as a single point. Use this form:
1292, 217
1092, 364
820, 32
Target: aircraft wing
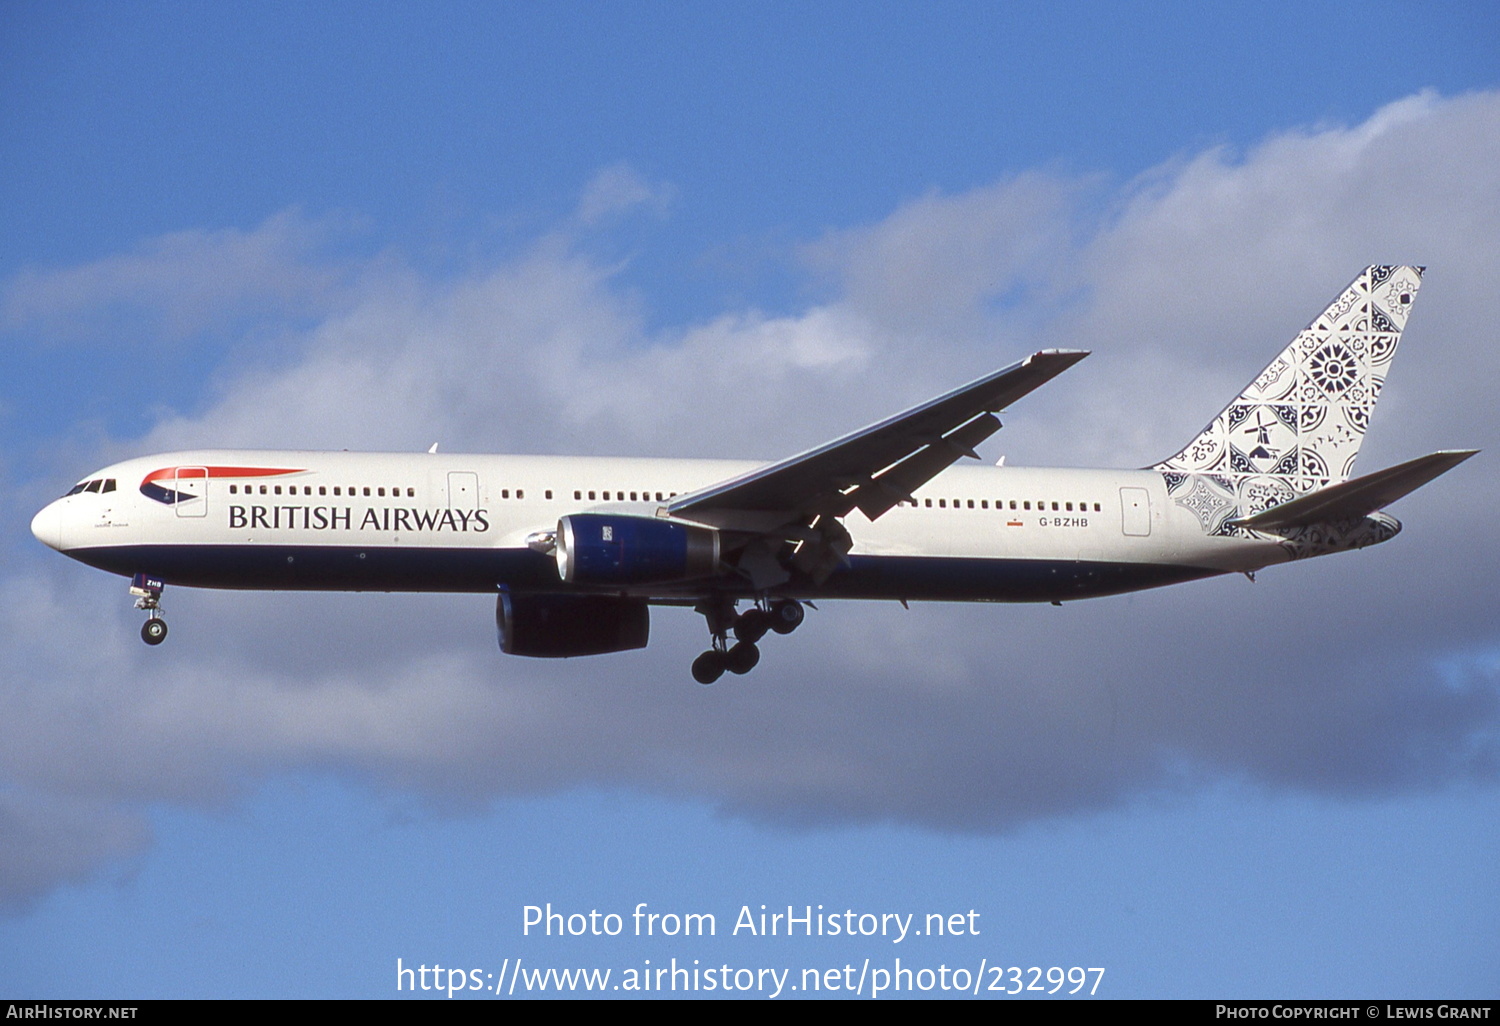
878, 466
1359, 497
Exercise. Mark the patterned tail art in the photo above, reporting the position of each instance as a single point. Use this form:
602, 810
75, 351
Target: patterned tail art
1298, 426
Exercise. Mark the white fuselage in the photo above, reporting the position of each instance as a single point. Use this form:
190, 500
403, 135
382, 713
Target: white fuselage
454, 522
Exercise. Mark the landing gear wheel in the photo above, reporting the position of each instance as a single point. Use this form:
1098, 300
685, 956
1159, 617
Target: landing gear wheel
786, 616
742, 657
154, 631
709, 666
752, 626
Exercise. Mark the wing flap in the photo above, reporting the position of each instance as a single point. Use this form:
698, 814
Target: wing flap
878, 466
896, 483
1359, 497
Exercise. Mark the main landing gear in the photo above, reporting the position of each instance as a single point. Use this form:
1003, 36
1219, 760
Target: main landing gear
147, 591
782, 616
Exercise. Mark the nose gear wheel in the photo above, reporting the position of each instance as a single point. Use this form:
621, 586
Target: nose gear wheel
147, 591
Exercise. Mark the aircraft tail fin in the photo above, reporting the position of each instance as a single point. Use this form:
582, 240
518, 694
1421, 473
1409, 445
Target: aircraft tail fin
1297, 427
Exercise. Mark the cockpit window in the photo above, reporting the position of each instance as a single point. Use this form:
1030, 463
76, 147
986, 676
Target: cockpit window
97, 485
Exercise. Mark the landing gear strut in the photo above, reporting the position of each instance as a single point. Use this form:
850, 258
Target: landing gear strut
782, 616
147, 591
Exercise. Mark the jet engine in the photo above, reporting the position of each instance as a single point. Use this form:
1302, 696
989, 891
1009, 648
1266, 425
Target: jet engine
613, 549
558, 626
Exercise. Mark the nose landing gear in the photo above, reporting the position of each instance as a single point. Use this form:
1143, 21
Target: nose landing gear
147, 591
782, 616
154, 630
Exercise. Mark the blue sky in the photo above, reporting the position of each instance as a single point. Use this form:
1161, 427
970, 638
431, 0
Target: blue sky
662, 229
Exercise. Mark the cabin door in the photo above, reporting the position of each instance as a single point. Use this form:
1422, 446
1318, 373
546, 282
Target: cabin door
463, 490
191, 487
1135, 509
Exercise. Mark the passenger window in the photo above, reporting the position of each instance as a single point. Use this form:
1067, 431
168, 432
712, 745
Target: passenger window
591, 496
577, 494
262, 489
971, 503
520, 493
380, 492
1028, 504
1012, 503
632, 496
1070, 507
1096, 507
942, 504
929, 503
411, 493
232, 489
547, 494
1054, 507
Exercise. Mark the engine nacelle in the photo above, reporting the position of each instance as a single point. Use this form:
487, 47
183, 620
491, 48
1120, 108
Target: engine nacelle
558, 626
606, 548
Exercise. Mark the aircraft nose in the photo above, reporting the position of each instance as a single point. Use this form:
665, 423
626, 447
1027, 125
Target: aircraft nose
47, 526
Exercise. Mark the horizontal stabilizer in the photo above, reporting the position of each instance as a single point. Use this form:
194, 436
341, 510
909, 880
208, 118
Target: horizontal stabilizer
1359, 497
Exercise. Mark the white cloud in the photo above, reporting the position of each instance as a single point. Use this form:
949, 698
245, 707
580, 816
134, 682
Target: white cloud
1342, 675
934, 269
617, 189
181, 284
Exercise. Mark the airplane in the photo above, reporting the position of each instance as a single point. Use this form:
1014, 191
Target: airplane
577, 549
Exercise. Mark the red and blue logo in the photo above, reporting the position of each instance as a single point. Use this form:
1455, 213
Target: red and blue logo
183, 478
